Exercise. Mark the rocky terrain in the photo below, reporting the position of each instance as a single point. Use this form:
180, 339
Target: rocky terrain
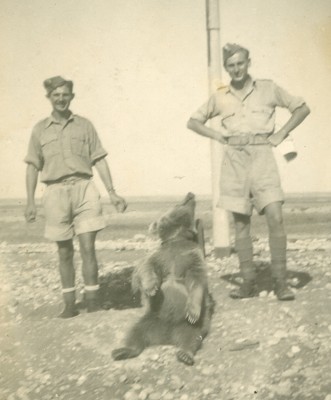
258, 348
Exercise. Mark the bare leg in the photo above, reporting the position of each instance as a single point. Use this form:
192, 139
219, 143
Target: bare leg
90, 269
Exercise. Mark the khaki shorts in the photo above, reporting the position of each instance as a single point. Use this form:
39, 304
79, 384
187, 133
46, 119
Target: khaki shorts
249, 178
72, 207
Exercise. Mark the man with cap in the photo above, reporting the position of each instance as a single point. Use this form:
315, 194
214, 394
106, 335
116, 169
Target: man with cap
249, 174
64, 148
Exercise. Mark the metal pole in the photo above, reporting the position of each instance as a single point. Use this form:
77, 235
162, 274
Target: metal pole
221, 231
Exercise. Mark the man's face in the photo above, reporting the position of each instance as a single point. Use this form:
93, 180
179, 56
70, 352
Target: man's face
60, 99
237, 66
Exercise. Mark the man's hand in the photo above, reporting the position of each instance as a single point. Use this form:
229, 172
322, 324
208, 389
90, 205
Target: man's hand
276, 138
118, 202
220, 138
30, 213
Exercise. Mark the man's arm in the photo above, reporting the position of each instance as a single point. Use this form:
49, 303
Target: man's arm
104, 172
205, 131
31, 184
298, 115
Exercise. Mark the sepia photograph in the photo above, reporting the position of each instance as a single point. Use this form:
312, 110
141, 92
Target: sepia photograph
165, 200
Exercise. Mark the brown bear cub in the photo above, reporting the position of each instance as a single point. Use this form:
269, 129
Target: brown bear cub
173, 283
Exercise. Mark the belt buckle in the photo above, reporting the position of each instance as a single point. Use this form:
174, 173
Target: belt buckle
244, 140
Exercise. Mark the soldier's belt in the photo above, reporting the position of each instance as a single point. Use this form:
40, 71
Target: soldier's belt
69, 180
248, 139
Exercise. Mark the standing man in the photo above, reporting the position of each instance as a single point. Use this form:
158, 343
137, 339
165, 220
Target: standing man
249, 175
64, 147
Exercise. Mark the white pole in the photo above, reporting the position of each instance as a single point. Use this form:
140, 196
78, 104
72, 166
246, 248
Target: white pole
221, 230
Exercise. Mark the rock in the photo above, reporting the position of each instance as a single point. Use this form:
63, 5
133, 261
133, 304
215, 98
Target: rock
155, 396
295, 349
283, 388
280, 334
131, 395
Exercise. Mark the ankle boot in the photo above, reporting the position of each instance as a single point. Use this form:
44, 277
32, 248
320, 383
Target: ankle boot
92, 298
69, 298
248, 288
282, 291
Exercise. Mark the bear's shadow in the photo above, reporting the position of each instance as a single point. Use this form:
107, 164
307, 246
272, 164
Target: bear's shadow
295, 279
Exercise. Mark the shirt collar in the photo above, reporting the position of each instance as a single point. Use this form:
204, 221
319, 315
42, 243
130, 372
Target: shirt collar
251, 85
52, 120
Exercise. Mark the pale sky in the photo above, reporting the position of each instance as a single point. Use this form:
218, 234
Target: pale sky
140, 70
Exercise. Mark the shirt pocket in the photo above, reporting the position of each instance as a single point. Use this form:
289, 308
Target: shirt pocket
79, 145
49, 145
227, 118
262, 114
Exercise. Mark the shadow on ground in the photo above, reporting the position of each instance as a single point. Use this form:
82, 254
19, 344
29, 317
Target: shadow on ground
295, 279
116, 292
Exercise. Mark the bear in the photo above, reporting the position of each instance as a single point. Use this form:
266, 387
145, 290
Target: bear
174, 288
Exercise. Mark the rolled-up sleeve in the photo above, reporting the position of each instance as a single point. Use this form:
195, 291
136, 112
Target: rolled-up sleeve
96, 149
34, 154
208, 110
286, 100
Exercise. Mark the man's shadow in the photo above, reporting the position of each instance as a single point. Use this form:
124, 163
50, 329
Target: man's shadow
116, 292
295, 279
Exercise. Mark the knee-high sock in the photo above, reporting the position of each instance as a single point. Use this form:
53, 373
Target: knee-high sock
244, 248
278, 245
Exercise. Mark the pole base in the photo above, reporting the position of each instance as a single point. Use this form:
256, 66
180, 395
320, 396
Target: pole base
221, 252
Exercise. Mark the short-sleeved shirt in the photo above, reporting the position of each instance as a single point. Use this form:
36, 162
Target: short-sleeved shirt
59, 150
252, 114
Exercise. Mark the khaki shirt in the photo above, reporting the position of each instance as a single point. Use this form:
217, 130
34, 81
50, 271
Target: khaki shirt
58, 150
252, 114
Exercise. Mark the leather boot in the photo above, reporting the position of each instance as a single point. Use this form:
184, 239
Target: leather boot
282, 291
69, 297
278, 268
248, 288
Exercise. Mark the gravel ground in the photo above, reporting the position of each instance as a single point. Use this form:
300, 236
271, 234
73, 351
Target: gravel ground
257, 349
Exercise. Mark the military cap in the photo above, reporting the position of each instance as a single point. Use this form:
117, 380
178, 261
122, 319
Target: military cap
55, 82
232, 48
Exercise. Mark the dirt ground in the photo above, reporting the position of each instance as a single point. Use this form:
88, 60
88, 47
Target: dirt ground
258, 348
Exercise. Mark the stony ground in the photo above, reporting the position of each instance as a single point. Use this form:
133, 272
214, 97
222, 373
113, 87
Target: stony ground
257, 349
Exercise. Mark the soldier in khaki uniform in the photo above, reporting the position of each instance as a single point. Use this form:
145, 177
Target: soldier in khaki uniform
64, 148
249, 175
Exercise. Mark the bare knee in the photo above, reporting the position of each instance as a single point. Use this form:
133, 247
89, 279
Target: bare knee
65, 251
274, 218
242, 225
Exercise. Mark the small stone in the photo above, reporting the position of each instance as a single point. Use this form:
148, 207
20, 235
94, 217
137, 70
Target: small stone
81, 380
155, 396
295, 349
131, 395
264, 293
123, 378
280, 334
154, 357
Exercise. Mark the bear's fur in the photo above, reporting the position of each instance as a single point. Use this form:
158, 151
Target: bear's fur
173, 282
